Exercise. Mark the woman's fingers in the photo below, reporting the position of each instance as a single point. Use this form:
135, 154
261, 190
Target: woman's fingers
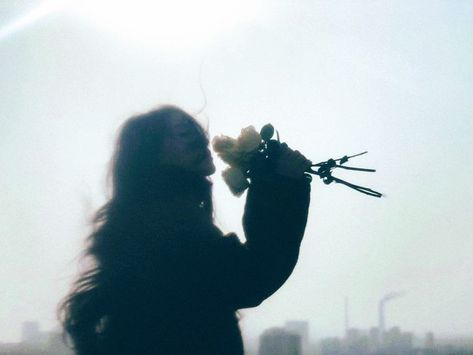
291, 162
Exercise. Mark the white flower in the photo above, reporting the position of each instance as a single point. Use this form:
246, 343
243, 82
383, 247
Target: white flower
232, 158
226, 148
235, 180
237, 153
249, 139
224, 143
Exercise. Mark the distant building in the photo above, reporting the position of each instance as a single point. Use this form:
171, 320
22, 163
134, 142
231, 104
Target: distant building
373, 339
397, 342
356, 342
300, 328
36, 342
57, 345
332, 346
429, 341
279, 341
31, 334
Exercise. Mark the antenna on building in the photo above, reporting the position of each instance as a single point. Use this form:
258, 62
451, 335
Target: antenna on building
347, 321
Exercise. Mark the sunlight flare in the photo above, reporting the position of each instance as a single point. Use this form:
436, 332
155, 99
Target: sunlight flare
31, 17
171, 24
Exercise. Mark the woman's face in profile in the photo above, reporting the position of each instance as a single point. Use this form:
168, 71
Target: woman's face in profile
186, 146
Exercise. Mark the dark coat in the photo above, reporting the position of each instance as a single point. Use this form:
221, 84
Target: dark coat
184, 298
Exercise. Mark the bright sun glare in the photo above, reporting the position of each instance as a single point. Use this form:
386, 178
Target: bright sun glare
170, 23
175, 24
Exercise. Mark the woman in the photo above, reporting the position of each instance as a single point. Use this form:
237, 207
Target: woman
165, 280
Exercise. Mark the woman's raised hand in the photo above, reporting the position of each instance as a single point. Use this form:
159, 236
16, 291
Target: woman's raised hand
291, 163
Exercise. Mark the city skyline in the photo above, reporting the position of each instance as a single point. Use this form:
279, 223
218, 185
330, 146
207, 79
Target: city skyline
291, 338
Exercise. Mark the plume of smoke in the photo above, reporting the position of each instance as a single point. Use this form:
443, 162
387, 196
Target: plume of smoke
386, 298
390, 296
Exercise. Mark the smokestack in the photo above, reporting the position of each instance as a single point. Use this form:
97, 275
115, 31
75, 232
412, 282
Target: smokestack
382, 301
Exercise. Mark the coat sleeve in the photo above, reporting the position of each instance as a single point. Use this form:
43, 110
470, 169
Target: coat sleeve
241, 275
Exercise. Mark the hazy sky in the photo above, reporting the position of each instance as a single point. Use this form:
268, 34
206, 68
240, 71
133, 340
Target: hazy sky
335, 78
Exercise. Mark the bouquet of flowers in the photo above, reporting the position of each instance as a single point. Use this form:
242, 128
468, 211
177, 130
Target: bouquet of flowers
254, 153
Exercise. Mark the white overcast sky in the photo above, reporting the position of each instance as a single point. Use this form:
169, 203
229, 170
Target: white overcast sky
335, 78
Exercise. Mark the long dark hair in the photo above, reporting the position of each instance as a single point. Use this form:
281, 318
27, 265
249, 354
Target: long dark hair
140, 185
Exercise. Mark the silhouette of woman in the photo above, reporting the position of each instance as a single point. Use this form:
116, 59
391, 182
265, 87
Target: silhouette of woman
165, 280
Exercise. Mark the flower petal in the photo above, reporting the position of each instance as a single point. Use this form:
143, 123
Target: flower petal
249, 139
236, 180
223, 143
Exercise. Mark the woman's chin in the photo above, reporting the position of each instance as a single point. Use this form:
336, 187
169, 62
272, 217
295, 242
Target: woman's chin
210, 169
207, 167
